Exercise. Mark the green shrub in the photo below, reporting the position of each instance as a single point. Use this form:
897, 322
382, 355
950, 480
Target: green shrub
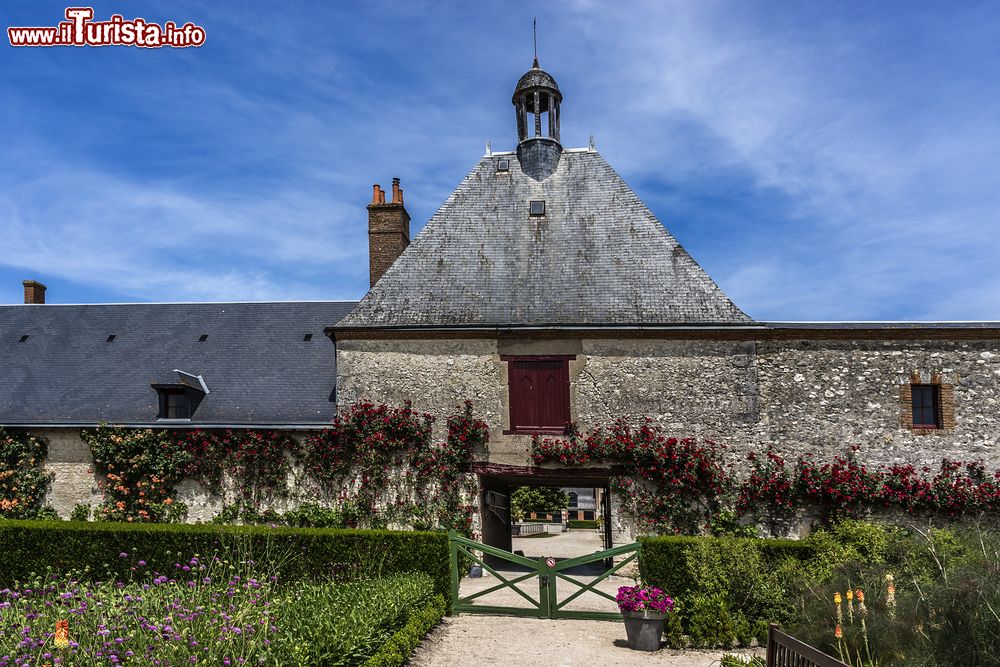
366, 617
297, 554
211, 610
665, 561
673, 632
395, 652
709, 621
750, 577
849, 540
81, 512
311, 515
743, 629
582, 523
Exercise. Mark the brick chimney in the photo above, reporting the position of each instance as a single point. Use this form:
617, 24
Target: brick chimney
34, 291
388, 230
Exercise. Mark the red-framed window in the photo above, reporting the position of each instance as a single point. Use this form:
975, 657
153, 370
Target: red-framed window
926, 403
538, 393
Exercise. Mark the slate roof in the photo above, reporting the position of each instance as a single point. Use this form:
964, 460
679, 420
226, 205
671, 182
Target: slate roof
258, 369
598, 257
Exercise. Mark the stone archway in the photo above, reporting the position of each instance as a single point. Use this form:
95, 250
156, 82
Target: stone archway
496, 482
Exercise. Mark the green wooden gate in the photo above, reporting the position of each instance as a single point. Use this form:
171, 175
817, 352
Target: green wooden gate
551, 576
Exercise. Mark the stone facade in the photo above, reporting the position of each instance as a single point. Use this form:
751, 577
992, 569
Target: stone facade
809, 395
75, 483
813, 396
72, 468
822, 395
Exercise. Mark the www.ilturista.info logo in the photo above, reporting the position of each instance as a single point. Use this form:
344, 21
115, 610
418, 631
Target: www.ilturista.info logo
80, 30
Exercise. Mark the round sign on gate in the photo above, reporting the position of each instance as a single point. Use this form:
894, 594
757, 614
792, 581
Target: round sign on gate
550, 561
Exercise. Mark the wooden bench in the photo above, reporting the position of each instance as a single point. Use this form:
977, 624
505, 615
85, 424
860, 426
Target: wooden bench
786, 651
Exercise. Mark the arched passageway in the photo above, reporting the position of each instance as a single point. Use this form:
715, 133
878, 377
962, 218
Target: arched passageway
573, 530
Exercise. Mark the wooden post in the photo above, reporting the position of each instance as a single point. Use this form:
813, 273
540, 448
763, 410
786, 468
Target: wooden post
453, 550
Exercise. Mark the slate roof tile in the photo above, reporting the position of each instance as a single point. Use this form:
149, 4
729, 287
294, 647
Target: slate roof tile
597, 257
255, 363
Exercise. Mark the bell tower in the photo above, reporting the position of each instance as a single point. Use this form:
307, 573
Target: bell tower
536, 100
536, 104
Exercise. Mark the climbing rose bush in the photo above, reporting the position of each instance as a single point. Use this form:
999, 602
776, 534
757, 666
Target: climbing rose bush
683, 485
845, 487
667, 484
22, 481
366, 440
139, 469
257, 461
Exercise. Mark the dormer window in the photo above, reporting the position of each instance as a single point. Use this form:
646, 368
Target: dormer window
536, 208
174, 404
503, 164
179, 398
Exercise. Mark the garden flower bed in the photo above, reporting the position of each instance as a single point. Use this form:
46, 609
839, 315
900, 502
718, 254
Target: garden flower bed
209, 610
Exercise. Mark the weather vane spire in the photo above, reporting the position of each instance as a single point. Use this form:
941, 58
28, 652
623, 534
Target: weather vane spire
534, 38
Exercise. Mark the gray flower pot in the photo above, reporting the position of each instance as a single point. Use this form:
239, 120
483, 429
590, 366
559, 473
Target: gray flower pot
644, 629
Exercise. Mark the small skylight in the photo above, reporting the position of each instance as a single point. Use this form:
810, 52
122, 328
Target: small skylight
503, 164
537, 208
307, 338
24, 338
202, 338
111, 338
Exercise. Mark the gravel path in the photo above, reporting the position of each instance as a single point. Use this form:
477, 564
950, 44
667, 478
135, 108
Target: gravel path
565, 545
572, 543
479, 641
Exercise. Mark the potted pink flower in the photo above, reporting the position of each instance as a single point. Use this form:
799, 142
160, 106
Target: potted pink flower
645, 610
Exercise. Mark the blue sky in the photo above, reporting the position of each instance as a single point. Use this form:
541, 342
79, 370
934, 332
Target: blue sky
835, 160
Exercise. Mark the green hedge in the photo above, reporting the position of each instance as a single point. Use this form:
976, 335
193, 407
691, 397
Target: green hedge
395, 652
582, 523
293, 553
668, 561
727, 589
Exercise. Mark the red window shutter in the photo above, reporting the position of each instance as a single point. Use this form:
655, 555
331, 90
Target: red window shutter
538, 394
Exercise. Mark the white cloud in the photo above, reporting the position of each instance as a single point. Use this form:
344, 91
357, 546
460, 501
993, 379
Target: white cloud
877, 149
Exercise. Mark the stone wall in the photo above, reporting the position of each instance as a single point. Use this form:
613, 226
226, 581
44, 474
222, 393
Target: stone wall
706, 389
817, 396
822, 395
435, 376
72, 467
76, 483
